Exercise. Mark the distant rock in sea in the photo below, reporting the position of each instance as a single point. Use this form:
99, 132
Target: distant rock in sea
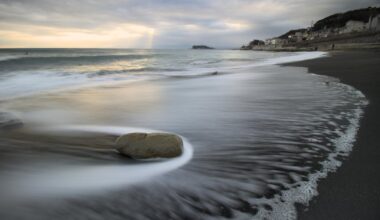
201, 47
151, 145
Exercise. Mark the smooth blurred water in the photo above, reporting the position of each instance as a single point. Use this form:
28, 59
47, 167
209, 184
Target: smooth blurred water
261, 135
30, 71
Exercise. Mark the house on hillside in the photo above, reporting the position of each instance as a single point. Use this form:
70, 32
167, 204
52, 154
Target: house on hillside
295, 36
275, 42
361, 23
299, 36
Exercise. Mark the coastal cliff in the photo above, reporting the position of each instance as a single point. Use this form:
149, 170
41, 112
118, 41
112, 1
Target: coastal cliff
356, 29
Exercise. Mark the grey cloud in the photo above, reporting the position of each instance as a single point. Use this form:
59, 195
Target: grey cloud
170, 17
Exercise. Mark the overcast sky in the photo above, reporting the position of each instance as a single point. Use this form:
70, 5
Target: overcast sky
157, 23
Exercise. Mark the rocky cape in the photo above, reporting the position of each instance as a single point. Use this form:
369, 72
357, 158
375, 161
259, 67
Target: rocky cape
201, 47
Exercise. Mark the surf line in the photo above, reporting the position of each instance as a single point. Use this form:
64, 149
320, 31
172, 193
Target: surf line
80, 179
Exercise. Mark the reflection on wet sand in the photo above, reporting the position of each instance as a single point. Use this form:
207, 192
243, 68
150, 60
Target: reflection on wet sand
258, 138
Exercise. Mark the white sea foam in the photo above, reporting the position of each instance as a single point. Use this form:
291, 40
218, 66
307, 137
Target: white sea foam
288, 58
82, 179
299, 56
74, 179
24, 85
19, 84
295, 58
283, 205
32, 82
10, 57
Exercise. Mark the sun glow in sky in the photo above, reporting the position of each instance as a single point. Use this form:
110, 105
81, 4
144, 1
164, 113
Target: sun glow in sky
156, 23
117, 36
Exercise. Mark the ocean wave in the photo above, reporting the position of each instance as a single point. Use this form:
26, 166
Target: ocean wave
10, 57
261, 145
205, 62
133, 70
242, 59
29, 82
283, 206
69, 180
72, 58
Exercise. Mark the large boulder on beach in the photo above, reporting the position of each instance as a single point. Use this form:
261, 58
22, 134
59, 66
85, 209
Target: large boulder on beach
150, 145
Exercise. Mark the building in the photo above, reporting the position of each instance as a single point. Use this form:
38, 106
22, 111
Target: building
276, 42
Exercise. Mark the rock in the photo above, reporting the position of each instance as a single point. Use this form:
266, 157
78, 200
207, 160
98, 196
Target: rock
252, 45
152, 145
201, 47
9, 121
244, 47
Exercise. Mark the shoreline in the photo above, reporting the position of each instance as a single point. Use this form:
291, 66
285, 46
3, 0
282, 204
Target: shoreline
155, 101
322, 46
353, 191
68, 85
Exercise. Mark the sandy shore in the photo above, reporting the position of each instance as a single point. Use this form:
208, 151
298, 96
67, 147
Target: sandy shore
250, 143
354, 191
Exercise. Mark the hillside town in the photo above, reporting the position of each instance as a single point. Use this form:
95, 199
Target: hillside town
344, 30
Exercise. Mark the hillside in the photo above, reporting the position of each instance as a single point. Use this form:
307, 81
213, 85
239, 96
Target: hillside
339, 20
349, 30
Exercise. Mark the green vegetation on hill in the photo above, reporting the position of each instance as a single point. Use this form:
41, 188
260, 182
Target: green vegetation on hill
340, 19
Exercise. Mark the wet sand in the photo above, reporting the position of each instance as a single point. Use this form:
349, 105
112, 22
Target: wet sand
255, 134
353, 192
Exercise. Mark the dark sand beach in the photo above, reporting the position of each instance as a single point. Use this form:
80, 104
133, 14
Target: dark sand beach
353, 192
258, 136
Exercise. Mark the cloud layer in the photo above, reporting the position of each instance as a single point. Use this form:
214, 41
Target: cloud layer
157, 23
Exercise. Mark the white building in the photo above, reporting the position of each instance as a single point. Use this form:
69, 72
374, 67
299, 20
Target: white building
275, 41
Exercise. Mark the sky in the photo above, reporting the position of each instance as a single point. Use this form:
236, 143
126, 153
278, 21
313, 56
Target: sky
157, 23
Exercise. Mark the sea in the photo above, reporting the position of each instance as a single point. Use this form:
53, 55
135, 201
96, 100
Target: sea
258, 136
